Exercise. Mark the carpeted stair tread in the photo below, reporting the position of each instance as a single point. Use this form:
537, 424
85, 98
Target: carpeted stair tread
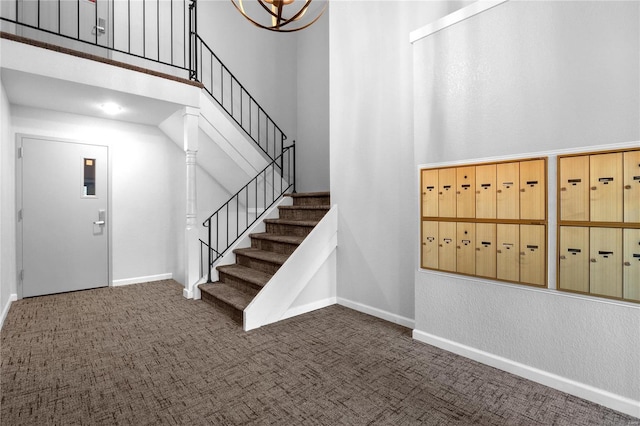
266, 256
247, 274
309, 194
294, 222
312, 207
227, 294
287, 239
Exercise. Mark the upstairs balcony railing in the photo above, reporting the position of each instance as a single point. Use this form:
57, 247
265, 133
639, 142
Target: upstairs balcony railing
143, 33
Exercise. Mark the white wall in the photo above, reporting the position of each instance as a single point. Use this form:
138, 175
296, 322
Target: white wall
530, 77
147, 188
7, 197
371, 151
312, 142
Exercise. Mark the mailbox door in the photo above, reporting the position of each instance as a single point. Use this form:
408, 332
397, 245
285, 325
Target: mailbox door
574, 188
532, 190
508, 190
574, 258
631, 186
486, 191
466, 191
429, 244
631, 264
486, 250
430, 193
533, 254
447, 246
605, 273
447, 192
465, 248
507, 252
606, 187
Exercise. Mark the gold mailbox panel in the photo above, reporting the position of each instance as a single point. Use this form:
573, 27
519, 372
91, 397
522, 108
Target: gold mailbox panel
631, 264
606, 187
574, 258
429, 244
430, 193
605, 272
507, 252
508, 190
532, 190
631, 186
486, 250
574, 188
465, 248
472, 226
465, 192
447, 246
533, 254
486, 191
447, 192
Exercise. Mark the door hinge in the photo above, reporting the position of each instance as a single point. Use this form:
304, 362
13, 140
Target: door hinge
20, 152
19, 215
22, 275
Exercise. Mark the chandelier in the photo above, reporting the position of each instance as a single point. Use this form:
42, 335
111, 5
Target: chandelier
282, 15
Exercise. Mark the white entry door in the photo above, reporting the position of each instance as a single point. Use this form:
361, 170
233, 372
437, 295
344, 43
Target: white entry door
64, 216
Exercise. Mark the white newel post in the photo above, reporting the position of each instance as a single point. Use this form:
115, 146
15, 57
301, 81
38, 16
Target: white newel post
191, 235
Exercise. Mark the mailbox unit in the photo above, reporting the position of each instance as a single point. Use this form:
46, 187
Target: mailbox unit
599, 224
487, 220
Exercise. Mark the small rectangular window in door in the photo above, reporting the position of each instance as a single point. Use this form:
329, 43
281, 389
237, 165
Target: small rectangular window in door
89, 176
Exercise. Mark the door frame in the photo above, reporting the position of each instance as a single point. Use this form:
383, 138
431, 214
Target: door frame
19, 204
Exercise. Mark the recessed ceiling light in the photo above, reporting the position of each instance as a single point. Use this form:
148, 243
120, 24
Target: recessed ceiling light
111, 108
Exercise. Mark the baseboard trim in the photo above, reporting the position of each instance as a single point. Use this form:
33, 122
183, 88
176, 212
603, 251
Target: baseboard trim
379, 313
5, 310
139, 280
581, 390
319, 304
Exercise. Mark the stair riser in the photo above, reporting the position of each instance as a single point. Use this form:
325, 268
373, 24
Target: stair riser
235, 314
281, 229
257, 264
311, 201
239, 284
306, 214
273, 246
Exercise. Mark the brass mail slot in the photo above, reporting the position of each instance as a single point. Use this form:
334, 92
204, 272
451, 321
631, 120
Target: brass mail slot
430, 188
574, 181
532, 182
574, 251
605, 180
487, 185
532, 247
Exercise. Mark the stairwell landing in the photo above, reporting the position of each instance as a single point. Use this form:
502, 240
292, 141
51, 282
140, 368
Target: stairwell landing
240, 282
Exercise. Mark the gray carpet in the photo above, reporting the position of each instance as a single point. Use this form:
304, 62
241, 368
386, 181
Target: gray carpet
144, 355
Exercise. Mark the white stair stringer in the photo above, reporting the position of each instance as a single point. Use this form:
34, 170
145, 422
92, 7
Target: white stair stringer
225, 152
275, 301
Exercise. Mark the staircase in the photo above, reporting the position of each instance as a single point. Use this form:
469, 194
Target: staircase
240, 282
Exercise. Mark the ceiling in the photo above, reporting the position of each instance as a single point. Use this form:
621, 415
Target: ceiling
38, 91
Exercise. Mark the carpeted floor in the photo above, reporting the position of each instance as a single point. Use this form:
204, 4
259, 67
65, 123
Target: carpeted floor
144, 355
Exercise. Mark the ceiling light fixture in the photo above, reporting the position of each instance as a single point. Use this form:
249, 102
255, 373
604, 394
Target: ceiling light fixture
111, 108
295, 18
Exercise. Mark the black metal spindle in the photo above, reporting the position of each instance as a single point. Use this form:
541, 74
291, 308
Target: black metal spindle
158, 27
210, 254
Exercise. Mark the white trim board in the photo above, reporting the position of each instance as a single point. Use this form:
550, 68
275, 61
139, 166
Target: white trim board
582, 390
454, 18
520, 156
5, 311
378, 313
140, 280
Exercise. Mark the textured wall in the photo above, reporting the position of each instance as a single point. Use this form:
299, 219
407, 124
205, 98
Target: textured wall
531, 77
7, 197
